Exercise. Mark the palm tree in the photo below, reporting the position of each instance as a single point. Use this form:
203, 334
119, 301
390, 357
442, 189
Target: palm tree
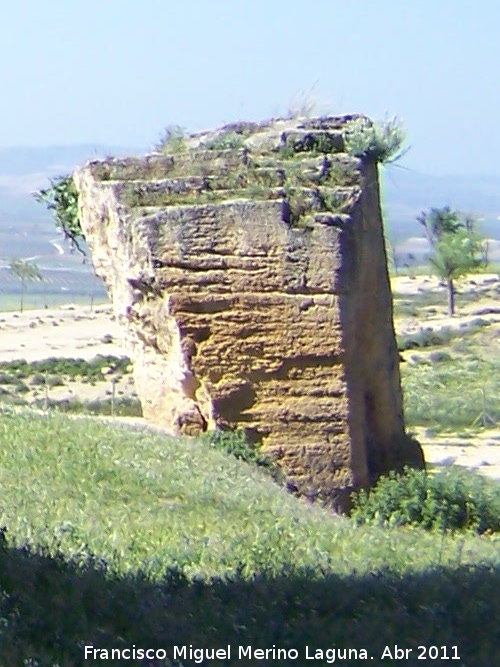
26, 272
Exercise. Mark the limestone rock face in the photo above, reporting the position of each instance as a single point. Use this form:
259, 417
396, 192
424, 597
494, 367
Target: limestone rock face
249, 272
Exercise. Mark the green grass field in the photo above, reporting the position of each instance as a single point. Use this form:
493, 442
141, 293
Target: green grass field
118, 536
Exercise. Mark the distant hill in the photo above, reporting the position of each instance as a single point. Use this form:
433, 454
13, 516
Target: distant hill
407, 193
26, 227
55, 159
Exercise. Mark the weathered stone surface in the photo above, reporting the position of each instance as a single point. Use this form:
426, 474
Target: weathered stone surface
253, 287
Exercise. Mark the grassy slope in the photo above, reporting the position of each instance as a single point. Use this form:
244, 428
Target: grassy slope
106, 512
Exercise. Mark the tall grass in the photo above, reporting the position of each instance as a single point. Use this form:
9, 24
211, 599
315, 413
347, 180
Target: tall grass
78, 484
456, 393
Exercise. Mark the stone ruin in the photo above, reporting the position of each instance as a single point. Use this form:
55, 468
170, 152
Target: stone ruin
249, 272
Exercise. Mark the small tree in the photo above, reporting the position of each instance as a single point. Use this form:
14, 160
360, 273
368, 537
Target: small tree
485, 252
26, 272
455, 246
394, 255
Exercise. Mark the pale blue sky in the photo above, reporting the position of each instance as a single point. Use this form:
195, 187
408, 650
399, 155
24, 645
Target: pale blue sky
118, 71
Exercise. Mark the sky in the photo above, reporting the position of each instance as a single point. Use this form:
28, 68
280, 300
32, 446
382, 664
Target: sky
117, 72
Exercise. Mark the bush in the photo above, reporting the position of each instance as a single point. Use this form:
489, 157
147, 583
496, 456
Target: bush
439, 357
54, 381
62, 199
6, 378
454, 499
121, 407
65, 367
236, 443
38, 379
424, 338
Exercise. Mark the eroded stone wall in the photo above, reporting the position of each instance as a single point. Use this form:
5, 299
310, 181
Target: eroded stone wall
252, 284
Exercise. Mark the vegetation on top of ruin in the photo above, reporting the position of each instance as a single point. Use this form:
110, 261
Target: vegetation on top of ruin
289, 174
317, 185
379, 141
173, 140
229, 140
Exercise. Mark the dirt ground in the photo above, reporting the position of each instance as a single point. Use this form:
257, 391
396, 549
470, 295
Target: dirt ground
66, 332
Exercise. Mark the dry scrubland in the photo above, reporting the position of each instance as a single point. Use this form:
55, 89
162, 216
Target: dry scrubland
119, 535
450, 369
